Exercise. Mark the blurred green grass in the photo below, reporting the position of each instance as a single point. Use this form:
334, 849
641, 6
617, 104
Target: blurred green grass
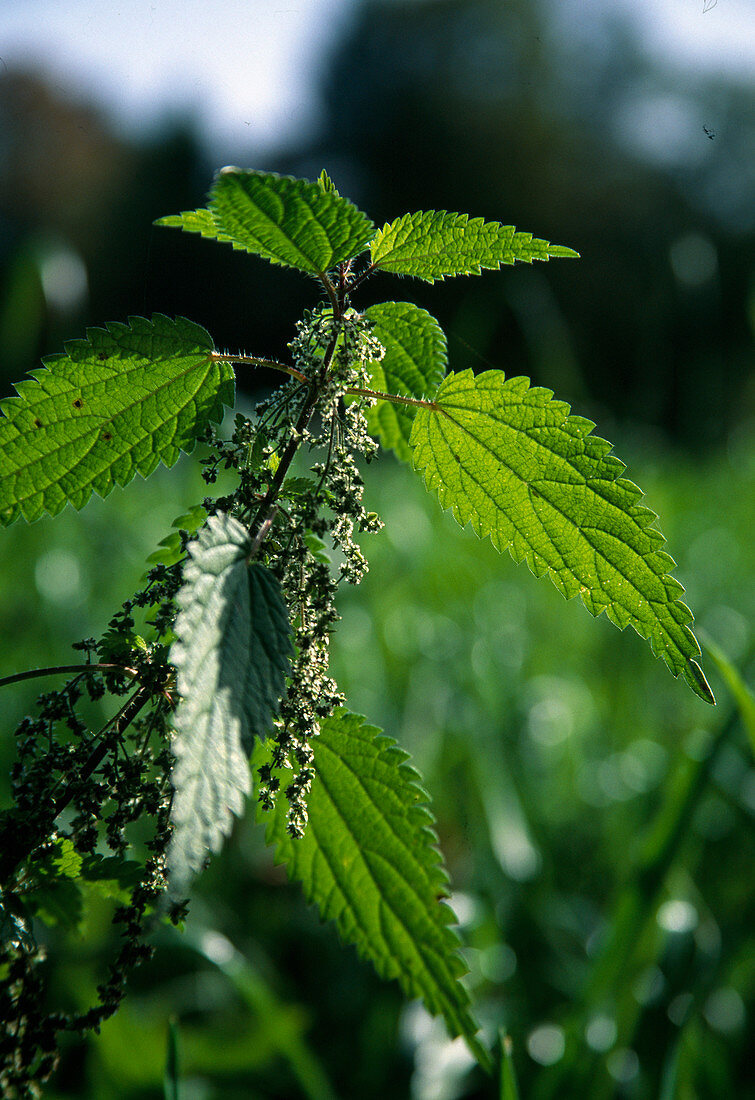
550, 744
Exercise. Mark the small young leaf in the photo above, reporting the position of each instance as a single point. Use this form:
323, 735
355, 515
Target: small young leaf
231, 658
172, 550
192, 520
369, 861
194, 221
414, 363
432, 244
326, 183
287, 221
509, 459
115, 404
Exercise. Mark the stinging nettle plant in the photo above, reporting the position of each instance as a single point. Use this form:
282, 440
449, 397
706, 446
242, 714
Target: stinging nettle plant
222, 658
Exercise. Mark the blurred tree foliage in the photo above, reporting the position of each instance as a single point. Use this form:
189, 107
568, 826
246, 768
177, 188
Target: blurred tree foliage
511, 112
550, 743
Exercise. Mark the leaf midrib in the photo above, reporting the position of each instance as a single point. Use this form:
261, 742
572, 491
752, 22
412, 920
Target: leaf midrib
277, 226
382, 902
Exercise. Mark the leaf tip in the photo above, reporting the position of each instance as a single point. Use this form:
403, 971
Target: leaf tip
700, 684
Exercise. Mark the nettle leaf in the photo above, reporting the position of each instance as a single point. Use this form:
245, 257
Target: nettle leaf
510, 460
432, 244
287, 221
369, 861
414, 363
113, 405
232, 656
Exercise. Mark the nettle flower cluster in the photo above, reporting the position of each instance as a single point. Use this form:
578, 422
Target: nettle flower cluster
337, 357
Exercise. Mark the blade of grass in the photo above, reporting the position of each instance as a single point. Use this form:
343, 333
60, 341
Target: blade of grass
743, 697
260, 998
508, 1087
171, 1086
632, 922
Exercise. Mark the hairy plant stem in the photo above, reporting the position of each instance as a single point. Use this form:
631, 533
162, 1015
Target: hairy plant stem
394, 398
265, 516
255, 361
57, 670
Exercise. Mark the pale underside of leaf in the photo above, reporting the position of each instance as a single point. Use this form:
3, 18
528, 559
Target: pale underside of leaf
434, 244
115, 404
510, 460
231, 657
286, 221
413, 366
369, 862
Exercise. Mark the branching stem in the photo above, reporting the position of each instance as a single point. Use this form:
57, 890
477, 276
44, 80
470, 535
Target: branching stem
254, 361
362, 278
394, 398
20, 842
56, 670
265, 514
334, 298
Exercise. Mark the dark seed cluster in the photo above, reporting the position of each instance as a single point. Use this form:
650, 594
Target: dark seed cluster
78, 789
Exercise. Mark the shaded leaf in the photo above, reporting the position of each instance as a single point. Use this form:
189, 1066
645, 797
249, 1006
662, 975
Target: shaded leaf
287, 221
510, 459
414, 363
113, 405
369, 862
433, 244
232, 657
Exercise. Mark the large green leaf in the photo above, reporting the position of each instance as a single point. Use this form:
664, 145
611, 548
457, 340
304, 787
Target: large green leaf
287, 221
369, 862
432, 244
414, 363
231, 658
511, 460
114, 405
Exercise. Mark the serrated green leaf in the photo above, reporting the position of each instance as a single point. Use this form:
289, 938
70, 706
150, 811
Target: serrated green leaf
317, 548
193, 221
192, 520
433, 244
414, 363
368, 860
171, 550
287, 221
115, 404
57, 901
510, 459
232, 656
111, 876
326, 182
66, 861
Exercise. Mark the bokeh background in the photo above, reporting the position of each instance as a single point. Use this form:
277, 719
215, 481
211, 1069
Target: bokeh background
597, 819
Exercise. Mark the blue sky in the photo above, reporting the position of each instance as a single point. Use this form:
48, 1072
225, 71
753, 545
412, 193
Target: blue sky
247, 70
